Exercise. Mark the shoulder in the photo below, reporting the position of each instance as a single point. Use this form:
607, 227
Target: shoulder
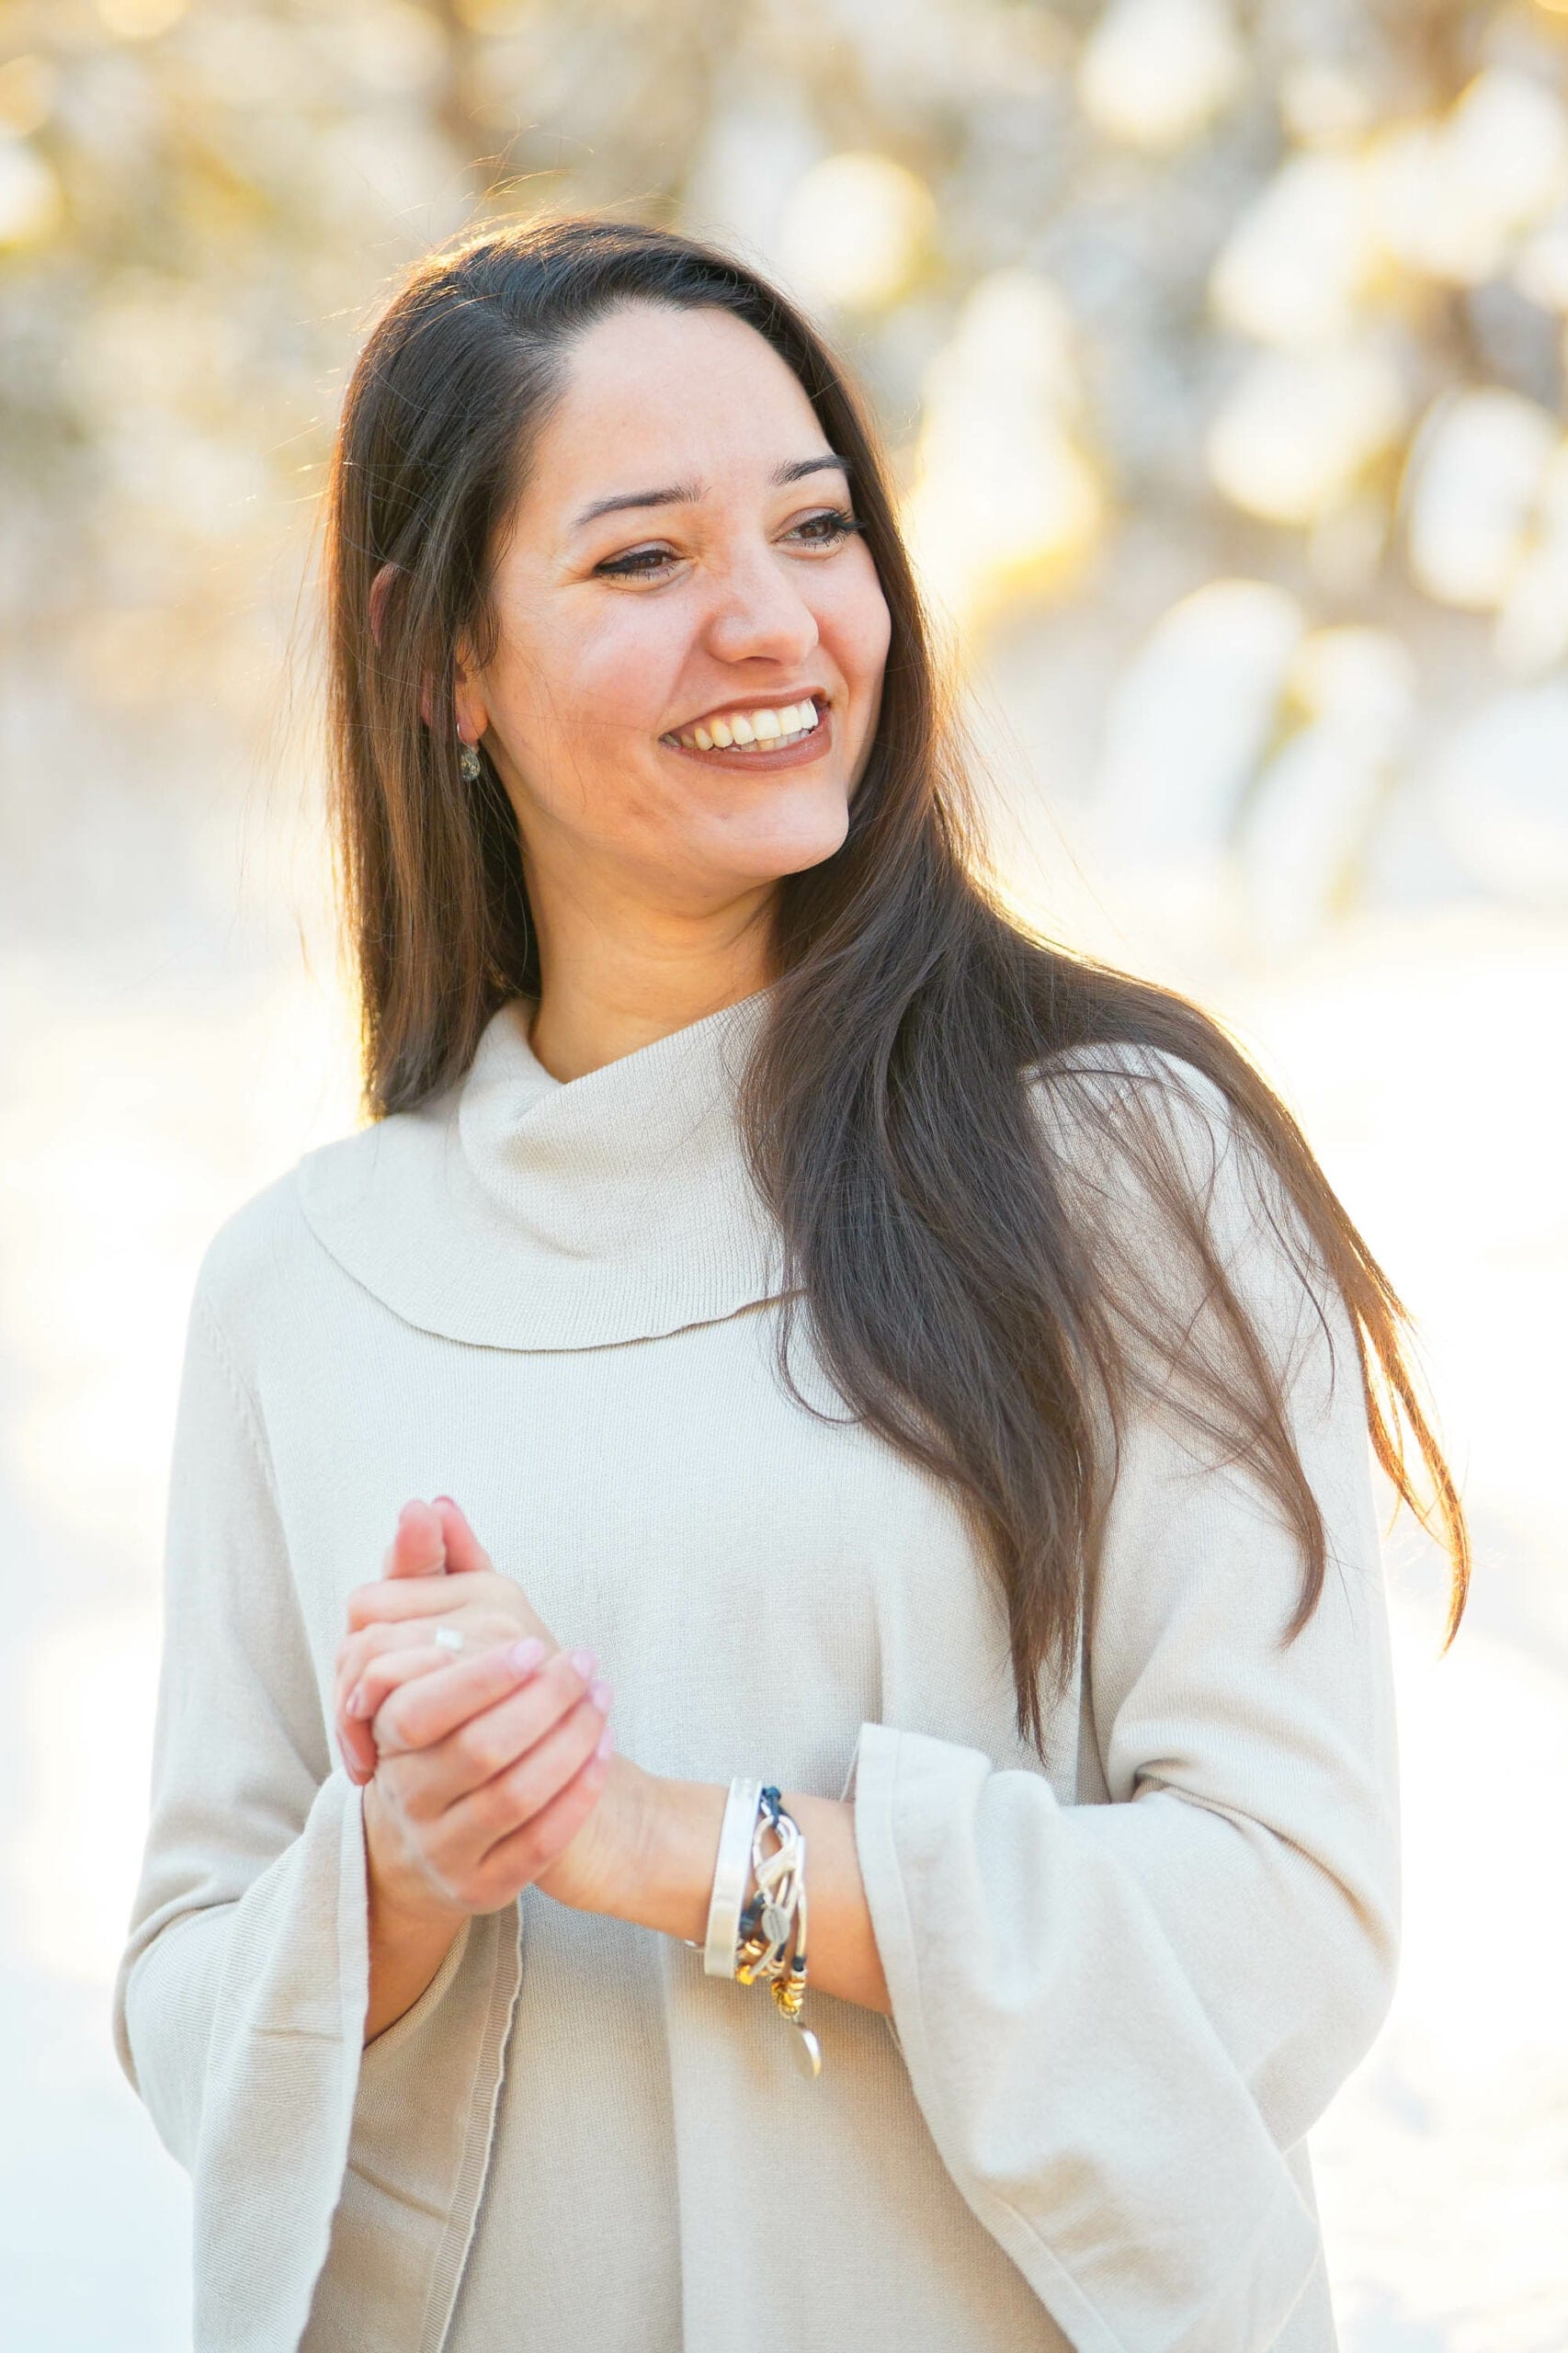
1107, 1108
259, 1240
1169, 1184
265, 1265
261, 1249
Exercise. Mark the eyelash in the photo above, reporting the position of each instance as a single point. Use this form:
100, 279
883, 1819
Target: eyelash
626, 567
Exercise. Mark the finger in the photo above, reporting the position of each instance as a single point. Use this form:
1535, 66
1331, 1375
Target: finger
466, 1556
358, 1748
488, 1740
419, 1550
412, 1597
463, 1550
387, 1673
419, 1547
358, 1650
515, 1794
358, 1654
451, 1691
522, 1854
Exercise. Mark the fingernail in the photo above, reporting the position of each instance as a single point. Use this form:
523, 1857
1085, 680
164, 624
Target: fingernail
526, 1653
584, 1661
445, 1499
601, 1694
357, 1700
606, 1741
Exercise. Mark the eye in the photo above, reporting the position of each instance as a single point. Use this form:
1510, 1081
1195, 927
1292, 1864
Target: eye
640, 564
830, 527
840, 523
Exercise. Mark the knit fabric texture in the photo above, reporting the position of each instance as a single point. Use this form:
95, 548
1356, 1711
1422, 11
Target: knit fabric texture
1125, 1982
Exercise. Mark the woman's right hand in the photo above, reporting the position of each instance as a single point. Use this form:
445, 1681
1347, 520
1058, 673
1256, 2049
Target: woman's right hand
501, 1746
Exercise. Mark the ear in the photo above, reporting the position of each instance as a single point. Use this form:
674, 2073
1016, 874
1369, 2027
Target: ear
467, 703
381, 588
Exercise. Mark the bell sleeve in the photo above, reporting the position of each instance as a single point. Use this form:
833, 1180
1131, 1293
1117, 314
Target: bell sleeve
240, 1998
1118, 2018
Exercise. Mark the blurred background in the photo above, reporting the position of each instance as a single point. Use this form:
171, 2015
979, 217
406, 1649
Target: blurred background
1221, 352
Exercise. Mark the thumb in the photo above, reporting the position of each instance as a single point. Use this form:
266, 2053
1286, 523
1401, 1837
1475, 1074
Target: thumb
419, 1547
463, 1549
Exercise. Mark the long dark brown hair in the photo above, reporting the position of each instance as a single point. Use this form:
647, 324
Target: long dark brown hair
976, 1299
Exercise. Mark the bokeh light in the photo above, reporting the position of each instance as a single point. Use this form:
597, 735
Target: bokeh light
1220, 358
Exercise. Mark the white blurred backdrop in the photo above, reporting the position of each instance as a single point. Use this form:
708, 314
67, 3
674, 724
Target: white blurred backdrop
1220, 353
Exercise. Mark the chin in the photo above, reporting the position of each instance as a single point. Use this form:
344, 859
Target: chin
789, 844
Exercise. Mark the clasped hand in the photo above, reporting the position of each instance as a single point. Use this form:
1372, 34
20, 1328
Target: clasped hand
489, 1769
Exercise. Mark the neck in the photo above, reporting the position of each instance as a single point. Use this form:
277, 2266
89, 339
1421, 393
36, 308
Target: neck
613, 981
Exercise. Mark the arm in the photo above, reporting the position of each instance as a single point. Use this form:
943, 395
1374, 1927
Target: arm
408, 1941
672, 1888
242, 1946
244, 1807
1118, 2018
240, 1998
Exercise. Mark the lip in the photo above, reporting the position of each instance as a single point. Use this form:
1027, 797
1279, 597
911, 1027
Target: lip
790, 755
780, 701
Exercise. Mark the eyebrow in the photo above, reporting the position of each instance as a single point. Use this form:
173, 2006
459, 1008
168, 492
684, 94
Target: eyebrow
687, 493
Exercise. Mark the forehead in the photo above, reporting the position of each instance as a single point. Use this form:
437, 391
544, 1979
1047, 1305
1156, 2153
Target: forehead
655, 395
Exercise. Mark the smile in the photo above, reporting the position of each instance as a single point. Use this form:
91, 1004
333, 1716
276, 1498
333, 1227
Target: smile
768, 729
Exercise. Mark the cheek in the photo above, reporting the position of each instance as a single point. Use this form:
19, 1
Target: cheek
853, 618
622, 669
604, 685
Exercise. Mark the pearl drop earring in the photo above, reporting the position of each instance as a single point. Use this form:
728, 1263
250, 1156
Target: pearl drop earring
468, 761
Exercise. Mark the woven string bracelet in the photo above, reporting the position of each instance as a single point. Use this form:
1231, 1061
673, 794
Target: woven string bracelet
756, 1942
768, 1921
777, 1912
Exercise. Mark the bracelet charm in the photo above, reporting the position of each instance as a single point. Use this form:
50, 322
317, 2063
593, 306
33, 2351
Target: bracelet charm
777, 1912
766, 1938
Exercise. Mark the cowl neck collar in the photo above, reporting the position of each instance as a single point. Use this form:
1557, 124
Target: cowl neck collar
518, 1211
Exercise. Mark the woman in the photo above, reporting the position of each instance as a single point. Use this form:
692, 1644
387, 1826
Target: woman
925, 1371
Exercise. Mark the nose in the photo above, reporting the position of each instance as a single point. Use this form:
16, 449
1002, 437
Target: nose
759, 613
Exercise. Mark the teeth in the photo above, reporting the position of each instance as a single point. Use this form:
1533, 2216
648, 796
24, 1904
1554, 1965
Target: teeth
772, 727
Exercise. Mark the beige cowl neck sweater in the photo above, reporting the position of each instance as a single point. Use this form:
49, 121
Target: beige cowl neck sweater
1123, 1986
